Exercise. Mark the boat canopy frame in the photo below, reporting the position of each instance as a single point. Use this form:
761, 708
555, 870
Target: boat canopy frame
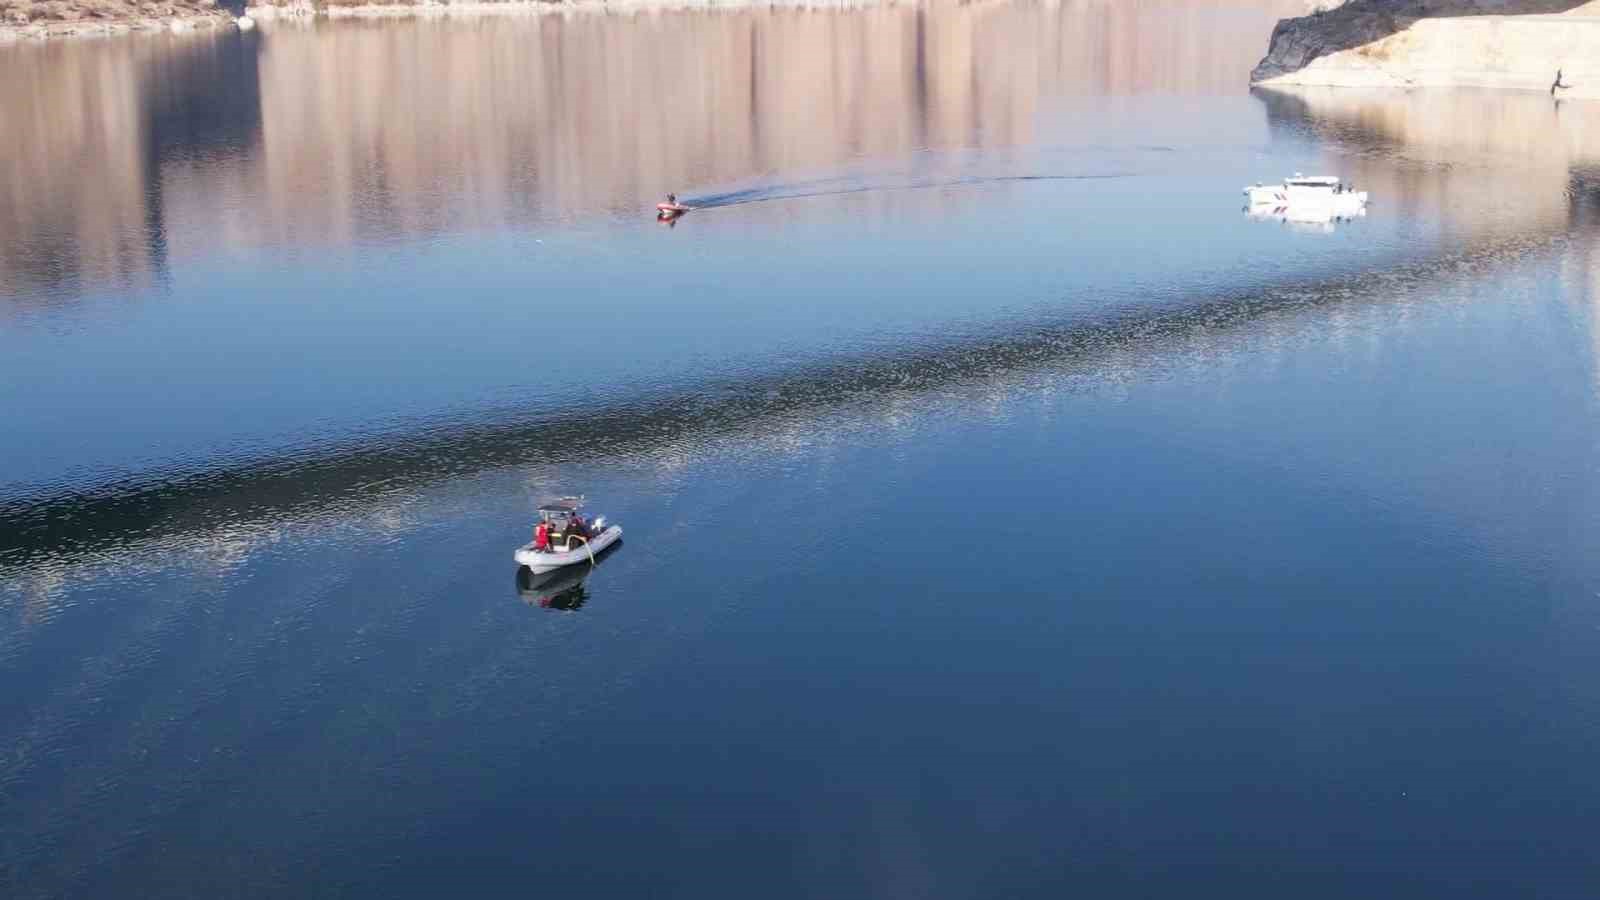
560, 512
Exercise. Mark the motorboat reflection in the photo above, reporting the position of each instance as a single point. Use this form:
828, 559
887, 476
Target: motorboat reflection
1303, 219
563, 589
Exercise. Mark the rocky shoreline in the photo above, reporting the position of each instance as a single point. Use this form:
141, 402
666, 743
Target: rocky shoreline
337, 9
44, 20
1502, 44
58, 21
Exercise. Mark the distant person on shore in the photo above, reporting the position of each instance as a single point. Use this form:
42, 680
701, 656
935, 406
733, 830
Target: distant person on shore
1557, 84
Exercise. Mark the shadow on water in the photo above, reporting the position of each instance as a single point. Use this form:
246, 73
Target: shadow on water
87, 522
564, 589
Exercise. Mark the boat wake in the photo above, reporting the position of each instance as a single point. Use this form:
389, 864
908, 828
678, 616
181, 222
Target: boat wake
839, 187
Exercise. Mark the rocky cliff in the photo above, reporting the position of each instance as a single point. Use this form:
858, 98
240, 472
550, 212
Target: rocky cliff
52, 18
1518, 44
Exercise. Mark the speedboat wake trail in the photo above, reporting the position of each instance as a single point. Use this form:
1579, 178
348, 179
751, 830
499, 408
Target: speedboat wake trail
838, 187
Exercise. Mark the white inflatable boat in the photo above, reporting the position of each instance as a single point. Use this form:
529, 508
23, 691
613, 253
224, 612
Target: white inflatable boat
567, 541
582, 551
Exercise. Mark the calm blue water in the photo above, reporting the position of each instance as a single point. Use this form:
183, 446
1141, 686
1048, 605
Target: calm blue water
1007, 514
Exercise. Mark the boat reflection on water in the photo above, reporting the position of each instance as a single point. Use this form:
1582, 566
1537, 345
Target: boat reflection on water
562, 589
1319, 220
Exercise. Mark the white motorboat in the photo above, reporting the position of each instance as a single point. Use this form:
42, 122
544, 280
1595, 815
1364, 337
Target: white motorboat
1308, 197
562, 538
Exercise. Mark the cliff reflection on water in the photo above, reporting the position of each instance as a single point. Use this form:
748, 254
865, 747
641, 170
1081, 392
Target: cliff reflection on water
1479, 161
134, 153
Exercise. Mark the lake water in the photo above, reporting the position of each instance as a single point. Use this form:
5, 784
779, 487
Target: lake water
1007, 513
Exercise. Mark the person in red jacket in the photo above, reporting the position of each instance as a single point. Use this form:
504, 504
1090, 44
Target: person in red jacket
541, 536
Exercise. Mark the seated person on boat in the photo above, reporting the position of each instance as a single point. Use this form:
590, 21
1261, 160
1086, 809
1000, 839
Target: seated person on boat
560, 527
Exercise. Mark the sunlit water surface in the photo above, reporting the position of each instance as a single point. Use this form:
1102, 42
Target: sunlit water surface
1007, 513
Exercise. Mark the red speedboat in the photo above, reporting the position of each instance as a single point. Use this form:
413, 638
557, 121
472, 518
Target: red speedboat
670, 208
